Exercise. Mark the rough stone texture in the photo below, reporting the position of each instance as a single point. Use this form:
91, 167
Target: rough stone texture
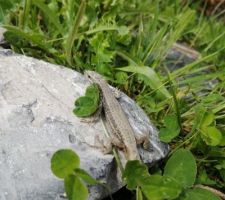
36, 119
179, 55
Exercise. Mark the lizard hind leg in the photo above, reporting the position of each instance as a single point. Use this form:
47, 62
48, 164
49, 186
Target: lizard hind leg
116, 142
105, 143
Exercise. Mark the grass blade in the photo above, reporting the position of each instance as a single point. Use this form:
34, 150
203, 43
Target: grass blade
26, 11
50, 14
73, 31
154, 81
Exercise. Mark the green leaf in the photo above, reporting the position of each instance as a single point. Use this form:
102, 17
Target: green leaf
92, 91
121, 77
134, 174
204, 179
220, 165
88, 104
85, 176
14, 33
84, 107
222, 142
212, 98
75, 188
200, 111
64, 162
170, 122
208, 119
103, 69
100, 44
172, 129
123, 30
199, 194
166, 135
153, 80
158, 187
211, 135
182, 167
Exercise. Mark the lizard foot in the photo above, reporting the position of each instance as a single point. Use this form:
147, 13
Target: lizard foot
106, 144
116, 92
143, 140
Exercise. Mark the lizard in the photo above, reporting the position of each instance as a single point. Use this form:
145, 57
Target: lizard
117, 124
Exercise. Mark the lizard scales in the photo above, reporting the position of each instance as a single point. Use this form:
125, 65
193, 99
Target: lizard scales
116, 118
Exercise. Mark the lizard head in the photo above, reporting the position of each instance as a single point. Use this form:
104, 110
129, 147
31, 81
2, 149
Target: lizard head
92, 75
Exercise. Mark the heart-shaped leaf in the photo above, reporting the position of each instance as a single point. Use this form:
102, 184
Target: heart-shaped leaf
134, 174
88, 104
64, 162
158, 187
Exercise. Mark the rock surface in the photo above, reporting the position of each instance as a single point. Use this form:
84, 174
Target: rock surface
36, 119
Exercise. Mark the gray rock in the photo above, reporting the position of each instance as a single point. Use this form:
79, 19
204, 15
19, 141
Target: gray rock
36, 119
179, 55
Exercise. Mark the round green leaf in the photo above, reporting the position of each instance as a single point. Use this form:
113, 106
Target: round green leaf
134, 174
182, 167
75, 188
84, 101
85, 107
200, 194
166, 135
88, 104
211, 135
64, 162
158, 187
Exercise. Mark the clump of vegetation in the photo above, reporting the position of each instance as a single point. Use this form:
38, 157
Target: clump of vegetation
177, 181
128, 43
